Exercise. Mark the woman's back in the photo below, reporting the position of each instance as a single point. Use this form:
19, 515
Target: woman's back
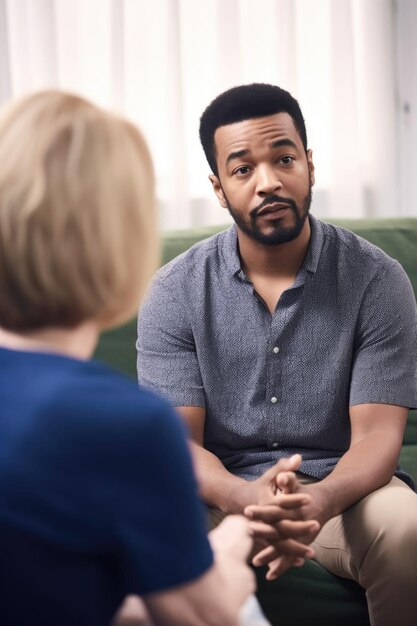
84, 455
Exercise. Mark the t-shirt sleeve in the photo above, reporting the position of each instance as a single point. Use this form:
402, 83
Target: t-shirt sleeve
166, 352
384, 360
161, 529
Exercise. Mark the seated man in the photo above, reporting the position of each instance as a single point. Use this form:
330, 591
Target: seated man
98, 496
287, 335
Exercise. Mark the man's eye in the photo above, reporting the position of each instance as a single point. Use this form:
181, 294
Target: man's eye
242, 170
287, 159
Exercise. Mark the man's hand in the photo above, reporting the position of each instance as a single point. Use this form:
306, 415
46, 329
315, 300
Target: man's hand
279, 519
281, 553
266, 489
316, 509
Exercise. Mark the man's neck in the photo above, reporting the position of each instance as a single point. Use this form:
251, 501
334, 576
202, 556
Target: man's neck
78, 342
282, 261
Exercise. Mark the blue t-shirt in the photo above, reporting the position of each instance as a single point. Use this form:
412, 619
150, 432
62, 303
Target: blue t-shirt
97, 494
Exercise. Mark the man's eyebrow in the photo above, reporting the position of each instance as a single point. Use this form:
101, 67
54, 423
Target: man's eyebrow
236, 155
283, 142
275, 144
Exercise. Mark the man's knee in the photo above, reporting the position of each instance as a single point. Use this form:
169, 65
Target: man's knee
384, 534
377, 533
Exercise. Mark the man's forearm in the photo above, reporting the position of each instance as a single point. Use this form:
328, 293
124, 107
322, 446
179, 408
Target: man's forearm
361, 470
218, 487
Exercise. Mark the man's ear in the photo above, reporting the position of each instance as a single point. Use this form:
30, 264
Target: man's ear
218, 190
311, 167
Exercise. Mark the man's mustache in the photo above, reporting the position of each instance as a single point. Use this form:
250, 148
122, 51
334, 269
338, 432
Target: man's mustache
272, 199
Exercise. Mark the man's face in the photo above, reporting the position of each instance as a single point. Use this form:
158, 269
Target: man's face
265, 177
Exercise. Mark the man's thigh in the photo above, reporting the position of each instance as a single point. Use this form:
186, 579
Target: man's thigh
380, 519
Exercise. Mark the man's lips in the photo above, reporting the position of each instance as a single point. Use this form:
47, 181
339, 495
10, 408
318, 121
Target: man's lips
275, 207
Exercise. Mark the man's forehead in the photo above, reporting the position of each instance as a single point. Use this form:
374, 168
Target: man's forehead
241, 135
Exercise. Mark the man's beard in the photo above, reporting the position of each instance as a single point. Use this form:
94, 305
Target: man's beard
280, 234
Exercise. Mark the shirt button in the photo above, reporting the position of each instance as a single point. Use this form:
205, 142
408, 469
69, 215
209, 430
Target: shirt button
275, 444
276, 349
274, 399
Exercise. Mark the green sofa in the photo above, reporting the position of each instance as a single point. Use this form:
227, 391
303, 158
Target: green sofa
309, 595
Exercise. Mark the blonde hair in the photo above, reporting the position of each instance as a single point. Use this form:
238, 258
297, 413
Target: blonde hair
77, 215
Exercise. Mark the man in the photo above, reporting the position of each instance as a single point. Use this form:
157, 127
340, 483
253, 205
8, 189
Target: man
286, 335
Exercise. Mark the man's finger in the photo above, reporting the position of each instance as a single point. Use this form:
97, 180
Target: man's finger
286, 529
287, 482
280, 565
288, 546
287, 464
279, 508
265, 556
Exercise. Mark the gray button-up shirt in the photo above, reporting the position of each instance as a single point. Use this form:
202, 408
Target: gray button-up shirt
272, 385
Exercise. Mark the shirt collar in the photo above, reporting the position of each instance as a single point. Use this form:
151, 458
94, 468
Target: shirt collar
230, 253
232, 260
316, 245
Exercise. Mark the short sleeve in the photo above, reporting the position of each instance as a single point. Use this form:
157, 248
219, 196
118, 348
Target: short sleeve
384, 360
161, 529
166, 353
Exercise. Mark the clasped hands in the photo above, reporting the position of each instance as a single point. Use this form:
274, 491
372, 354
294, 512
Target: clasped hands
283, 520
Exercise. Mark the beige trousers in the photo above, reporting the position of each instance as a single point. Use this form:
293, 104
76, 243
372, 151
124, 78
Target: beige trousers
374, 543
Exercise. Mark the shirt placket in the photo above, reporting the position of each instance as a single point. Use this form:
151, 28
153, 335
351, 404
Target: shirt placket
274, 373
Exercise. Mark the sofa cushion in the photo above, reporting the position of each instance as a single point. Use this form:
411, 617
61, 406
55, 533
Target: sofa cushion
310, 596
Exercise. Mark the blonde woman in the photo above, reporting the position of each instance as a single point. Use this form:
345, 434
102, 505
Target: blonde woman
98, 498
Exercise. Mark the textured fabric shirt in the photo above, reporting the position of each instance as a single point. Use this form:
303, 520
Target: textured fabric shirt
273, 385
98, 497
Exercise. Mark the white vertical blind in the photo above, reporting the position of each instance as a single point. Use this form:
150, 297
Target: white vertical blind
160, 62
406, 171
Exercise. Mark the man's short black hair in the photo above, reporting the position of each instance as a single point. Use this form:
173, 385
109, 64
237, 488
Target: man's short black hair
244, 103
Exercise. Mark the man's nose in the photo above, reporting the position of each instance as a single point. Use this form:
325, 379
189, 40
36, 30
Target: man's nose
268, 180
